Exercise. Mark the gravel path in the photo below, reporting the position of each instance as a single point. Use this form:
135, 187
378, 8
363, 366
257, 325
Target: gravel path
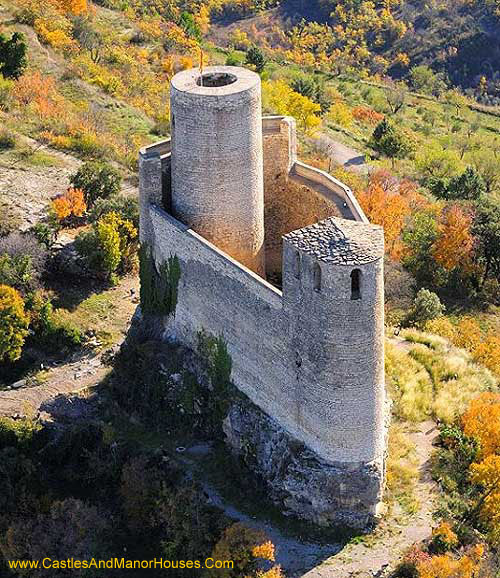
341, 154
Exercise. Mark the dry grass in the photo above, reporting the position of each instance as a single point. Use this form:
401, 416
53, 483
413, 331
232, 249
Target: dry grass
433, 378
402, 470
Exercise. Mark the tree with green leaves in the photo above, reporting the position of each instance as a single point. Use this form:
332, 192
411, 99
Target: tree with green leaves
188, 22
256, 58
13, 55
426, 306
486, 228
97, 180
313, 88
468, 185
424, 79
390, 141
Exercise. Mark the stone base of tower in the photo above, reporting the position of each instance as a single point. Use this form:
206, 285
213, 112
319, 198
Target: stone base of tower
297, 480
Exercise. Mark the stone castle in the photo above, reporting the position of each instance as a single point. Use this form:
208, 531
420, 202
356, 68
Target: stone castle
278, 258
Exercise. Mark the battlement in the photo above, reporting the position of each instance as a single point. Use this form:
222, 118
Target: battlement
278, 258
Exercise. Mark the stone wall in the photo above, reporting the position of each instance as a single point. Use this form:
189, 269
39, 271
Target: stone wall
287, 205
283, 346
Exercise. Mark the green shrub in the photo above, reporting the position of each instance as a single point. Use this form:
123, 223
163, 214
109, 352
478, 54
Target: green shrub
23, 261
13, 59
97, 180
6, 86
51, 333
232, 59
426, 306
45, 233
256, 59
110, 247
126, 207
17, 433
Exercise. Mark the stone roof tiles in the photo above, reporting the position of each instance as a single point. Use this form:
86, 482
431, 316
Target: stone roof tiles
340, 241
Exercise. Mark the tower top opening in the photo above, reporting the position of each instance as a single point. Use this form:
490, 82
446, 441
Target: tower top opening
216, 79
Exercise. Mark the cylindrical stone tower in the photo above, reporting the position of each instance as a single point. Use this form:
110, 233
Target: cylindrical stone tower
217, 159
333, 290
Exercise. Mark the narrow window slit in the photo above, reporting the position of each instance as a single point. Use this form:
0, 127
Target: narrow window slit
356, 285
317, 277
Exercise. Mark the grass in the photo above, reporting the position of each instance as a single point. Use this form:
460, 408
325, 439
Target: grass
402, 471
433, 379
107, 312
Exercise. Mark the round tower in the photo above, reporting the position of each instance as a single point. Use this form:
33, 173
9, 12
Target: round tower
217, 159
333, 289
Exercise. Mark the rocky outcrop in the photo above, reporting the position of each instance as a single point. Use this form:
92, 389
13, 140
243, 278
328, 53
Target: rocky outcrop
297, 480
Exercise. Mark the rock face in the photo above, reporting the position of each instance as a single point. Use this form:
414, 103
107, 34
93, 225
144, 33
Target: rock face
297, 480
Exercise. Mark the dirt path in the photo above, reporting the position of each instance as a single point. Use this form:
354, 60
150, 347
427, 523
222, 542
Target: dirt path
75, 375
378, 555
341, 154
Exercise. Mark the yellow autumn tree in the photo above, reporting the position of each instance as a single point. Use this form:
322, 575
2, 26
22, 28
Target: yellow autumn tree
340, 113
280, 98
202, 18
448, 567
13, 323
487, 475
245, 547
482, 421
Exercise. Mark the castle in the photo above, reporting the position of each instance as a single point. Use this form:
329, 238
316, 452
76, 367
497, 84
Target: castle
278, 258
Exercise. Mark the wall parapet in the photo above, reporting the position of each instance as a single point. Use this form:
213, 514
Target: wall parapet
160, 148
329, 186
266, 290
315, 179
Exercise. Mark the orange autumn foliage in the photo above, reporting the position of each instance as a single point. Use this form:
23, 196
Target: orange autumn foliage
482, 421
488, 353
455, 243
264, 550
40, 92
70, 204
447, 567
389, 209
487, 475
74, 7
468, 334
366, 115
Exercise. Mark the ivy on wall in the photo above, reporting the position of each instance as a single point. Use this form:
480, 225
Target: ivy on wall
158, 288
213, 350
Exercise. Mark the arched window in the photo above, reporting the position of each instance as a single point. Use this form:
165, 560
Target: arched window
356, 284
296, 264
317, 277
